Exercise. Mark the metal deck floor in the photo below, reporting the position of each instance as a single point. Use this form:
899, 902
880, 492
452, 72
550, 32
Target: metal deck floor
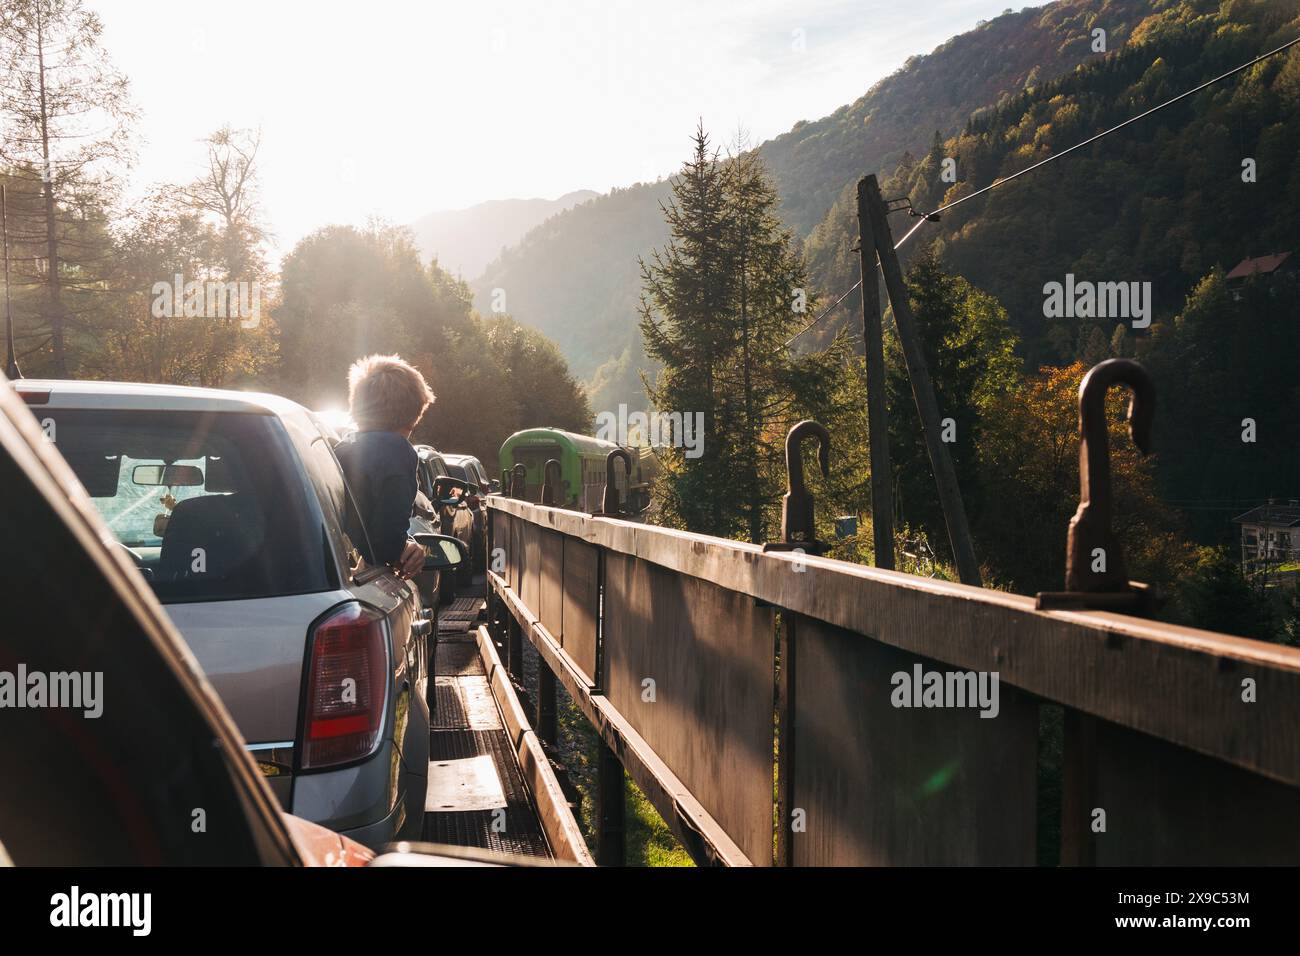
477, 796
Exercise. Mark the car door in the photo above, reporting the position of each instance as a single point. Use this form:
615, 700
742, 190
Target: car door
409, 629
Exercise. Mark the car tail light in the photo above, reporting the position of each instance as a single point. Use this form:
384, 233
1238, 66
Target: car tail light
347, 688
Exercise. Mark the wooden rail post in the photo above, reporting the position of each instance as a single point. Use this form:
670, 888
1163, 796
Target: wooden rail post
514, 647
546, 723
945, 476
882, 496
609, 808
1078, 788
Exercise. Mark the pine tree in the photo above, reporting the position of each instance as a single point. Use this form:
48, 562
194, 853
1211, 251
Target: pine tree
719, 303
685, 324
769, 284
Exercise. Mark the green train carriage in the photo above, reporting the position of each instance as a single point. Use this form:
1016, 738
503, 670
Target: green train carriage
582, 468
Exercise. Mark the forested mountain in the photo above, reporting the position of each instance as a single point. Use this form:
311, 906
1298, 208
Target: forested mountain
465, 240
576, 277
1207, 182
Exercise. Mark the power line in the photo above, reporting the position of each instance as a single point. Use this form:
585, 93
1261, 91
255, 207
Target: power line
1092, 139
829, 310
932, 215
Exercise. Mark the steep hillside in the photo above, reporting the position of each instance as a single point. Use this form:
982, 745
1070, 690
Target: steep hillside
938, 92
576, 277
465, 240
1163, 201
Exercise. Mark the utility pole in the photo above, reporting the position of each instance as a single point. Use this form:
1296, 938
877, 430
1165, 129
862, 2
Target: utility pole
882, 498
11, 363
945, 476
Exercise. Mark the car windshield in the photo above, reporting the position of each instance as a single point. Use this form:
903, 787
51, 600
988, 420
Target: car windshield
210, 505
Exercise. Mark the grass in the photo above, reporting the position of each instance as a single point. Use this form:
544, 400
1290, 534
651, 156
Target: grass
647, 840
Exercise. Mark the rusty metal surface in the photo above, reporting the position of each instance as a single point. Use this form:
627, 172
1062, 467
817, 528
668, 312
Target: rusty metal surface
513, 829
471, 762
458, 659
519, 482
610, 503
1096, 575
798, 529
551, 482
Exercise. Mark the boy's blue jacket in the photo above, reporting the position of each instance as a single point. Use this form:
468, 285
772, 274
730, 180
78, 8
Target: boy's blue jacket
380, 468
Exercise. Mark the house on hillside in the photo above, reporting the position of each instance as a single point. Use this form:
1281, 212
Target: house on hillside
1270, 532
1277, 267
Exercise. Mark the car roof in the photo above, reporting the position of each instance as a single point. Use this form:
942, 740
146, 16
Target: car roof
60, 393
459, 459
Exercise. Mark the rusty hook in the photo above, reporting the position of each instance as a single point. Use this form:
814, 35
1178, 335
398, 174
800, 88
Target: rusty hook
1095, 571
518, 481
610, 503
550, 482
797, 528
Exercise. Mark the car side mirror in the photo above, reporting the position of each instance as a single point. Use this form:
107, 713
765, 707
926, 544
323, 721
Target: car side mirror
441, 551
494, 484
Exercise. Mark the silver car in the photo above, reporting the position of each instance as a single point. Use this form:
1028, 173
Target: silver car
234, 508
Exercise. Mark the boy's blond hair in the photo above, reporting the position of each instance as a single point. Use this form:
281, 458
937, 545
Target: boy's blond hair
386, 393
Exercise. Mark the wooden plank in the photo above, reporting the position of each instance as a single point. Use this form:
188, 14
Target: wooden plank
557, 820
581, 604
499, 525
691, 668
703, 838
1180, 684
881, 785
551, 568
1168, 806
515, 555
530, 585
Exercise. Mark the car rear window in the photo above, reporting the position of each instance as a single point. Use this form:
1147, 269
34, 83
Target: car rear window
211, 505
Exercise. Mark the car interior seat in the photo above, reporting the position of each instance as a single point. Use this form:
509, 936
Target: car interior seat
224, 523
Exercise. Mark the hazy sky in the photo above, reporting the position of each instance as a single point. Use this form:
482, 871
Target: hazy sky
396, 109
